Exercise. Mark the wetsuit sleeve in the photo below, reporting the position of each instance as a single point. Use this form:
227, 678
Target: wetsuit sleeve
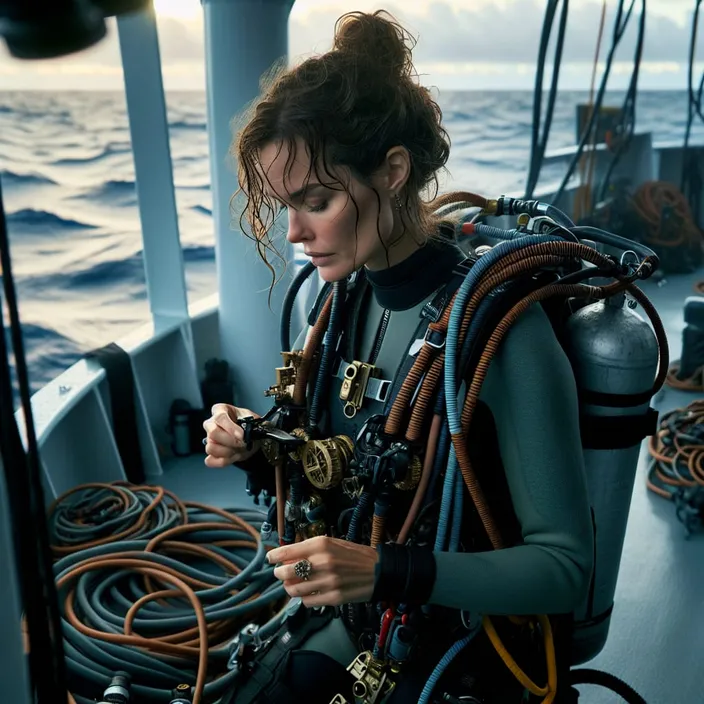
531, 392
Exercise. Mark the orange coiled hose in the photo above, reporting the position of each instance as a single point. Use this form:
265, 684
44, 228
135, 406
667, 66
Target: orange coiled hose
649, 201
163, 573
678, 460
122, 502
192, 643
692, 383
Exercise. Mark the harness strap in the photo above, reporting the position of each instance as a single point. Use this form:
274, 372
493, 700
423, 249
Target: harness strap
431, 313
617, 432
264, 677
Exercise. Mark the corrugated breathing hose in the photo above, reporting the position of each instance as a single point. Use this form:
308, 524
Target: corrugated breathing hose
157, 587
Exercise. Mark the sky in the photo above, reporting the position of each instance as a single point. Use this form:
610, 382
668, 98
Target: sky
462, 45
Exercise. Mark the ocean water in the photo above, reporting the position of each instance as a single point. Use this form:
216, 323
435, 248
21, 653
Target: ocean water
68, 184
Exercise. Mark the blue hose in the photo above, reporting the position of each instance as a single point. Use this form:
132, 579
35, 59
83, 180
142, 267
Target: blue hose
440, 668
463, 295
457, 508
448, 491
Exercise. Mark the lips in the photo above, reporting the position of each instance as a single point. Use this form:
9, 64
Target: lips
317, 255
319, 259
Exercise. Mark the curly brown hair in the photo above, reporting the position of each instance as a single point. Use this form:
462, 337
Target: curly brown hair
348, 106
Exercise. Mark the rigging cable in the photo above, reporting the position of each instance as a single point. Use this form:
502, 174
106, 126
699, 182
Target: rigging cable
25, 498
628, 118
691, 180
619, 29
539, 144
583, 196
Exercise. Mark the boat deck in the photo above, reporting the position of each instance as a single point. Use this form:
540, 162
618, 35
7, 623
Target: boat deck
657, 631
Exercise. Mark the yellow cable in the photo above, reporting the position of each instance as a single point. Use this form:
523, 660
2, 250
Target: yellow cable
548, 692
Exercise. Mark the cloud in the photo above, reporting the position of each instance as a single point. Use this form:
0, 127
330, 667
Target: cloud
506, 33
496, 40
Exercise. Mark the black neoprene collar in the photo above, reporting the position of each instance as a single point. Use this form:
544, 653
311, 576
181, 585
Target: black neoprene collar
407, 283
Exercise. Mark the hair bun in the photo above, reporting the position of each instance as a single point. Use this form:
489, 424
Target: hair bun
375, 38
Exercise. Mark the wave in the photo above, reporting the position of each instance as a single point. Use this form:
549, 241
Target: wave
12, 178
48, 354
108, 150
45, 219
110, 273
198, 253
115, 191
193, 187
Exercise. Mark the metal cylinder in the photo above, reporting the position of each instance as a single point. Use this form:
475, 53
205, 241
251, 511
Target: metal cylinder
118, 691
614, 356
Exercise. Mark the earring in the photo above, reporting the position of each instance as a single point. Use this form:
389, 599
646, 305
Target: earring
397, 202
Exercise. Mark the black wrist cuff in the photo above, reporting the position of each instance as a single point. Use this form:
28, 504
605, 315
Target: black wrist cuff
404, 574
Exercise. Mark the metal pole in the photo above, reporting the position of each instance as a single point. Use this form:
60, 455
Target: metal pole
149, 130
243, 39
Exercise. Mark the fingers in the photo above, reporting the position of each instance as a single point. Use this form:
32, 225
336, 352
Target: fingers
224, 416
221, 429
297, 551
219, 437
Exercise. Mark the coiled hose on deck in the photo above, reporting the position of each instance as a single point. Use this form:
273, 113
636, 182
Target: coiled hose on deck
676, 470
157, 587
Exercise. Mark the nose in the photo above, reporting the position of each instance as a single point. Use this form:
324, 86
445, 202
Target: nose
297, 231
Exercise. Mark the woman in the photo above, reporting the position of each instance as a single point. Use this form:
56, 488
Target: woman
348, 144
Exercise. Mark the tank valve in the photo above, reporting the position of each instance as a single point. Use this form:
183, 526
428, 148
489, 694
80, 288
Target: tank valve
118, 691
183, 694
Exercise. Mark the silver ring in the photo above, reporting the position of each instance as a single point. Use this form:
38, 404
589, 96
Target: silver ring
205, 441
302, 570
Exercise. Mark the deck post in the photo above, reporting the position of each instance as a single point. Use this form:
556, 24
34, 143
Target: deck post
243, 39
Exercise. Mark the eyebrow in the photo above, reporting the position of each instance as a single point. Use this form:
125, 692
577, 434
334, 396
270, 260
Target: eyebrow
297, 195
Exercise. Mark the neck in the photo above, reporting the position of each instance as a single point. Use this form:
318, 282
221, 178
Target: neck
401, 247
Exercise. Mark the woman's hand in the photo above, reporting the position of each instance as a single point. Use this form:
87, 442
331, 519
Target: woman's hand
225, 438
341, 572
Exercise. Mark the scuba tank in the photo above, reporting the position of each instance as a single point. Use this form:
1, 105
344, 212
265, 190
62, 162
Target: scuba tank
614, 355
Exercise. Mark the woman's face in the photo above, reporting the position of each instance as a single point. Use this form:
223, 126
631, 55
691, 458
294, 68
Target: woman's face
338, 236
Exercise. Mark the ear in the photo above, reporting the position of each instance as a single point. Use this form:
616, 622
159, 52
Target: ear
397, 168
